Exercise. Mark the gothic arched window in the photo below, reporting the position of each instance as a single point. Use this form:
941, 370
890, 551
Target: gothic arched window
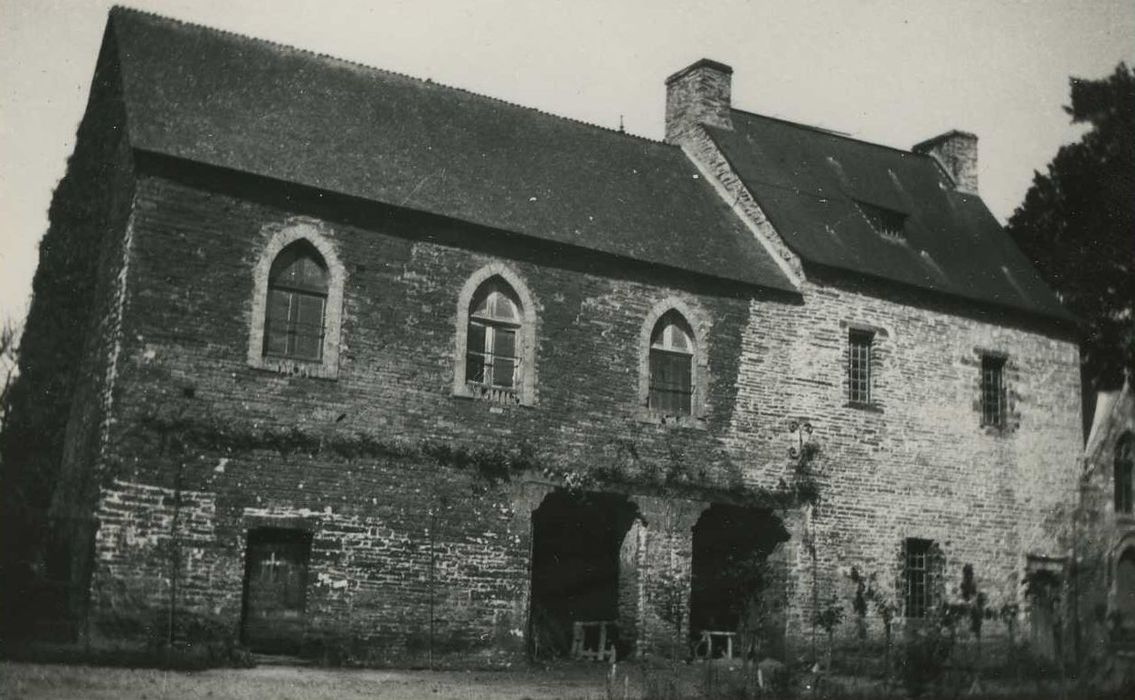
492, 357
671, 366
297, 299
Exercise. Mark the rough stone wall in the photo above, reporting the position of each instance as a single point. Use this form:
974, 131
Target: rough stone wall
184, 362
54, 439
916, 462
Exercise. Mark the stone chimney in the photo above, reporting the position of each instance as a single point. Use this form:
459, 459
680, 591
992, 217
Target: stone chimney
698, 94
956, 152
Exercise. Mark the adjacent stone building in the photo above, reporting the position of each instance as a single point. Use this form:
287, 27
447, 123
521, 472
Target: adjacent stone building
351, 363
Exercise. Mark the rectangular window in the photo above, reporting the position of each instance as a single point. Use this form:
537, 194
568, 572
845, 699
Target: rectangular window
993, 391
918, 594
671, 385
859, 367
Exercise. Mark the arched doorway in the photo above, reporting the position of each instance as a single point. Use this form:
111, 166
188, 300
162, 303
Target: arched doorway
734, 587
576, 543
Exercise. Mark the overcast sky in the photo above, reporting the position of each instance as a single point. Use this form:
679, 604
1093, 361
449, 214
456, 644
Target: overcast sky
890, 72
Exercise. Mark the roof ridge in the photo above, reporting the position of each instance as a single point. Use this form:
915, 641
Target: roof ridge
830, 132
425, 81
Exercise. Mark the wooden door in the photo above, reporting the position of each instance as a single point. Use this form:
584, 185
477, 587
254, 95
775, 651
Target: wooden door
275, 590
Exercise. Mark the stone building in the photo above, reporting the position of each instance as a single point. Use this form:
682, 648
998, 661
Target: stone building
1102, 595
344, 361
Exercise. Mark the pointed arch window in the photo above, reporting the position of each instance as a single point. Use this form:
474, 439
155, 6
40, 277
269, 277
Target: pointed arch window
297, 300
492, 357
671, 366
1124, 475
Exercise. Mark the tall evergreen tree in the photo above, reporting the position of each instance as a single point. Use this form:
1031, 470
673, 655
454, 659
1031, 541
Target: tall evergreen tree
1077, 224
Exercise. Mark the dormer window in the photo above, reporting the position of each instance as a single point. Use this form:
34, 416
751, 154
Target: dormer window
888, 223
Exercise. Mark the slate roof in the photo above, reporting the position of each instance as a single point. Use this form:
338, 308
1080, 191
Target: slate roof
222, 99
808, 182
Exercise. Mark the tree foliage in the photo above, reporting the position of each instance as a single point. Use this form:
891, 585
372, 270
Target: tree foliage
9, 355
1077, 224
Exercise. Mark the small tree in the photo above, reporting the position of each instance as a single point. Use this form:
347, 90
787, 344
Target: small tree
829, 619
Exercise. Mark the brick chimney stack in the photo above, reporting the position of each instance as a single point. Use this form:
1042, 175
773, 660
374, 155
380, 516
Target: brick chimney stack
956, 152
698, 94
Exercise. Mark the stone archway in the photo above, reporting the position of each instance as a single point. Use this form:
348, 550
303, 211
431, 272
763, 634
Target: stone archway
577, 569
735, 588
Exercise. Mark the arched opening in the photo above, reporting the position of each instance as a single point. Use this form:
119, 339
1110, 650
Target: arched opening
297, 299
576, 574
736, 590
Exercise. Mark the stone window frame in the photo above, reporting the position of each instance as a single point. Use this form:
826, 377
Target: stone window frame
699, 370
279, 237
878, 358
525, 393
1010, 417
933, 574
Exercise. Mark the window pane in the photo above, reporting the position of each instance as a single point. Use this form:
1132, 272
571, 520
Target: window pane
670, 382
917, 575
308, 327
992, 391
504, 342
474, 368
276, 324
503, 307
859, 367
475, 340
503, 370
299, 267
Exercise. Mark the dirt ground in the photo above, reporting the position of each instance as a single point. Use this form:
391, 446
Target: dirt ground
59, 682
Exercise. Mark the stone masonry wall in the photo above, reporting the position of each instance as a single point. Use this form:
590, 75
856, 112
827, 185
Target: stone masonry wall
917, 462
186, 327
53, 442
402, 541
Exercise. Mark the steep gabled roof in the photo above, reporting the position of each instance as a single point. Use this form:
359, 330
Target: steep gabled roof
221, 99
819, 189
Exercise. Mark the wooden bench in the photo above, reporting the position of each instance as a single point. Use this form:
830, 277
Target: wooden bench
593, 640
712, 640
